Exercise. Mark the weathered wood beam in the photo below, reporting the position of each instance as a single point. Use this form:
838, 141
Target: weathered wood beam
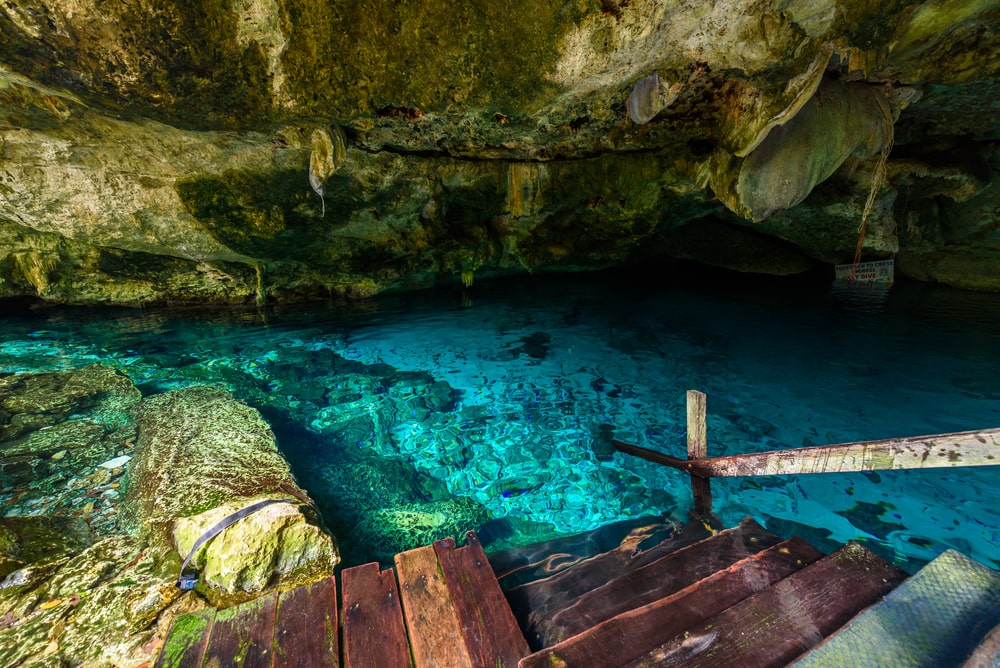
697, 448
967, 448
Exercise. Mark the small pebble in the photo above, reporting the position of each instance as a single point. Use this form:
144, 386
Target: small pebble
59, 455
116, 462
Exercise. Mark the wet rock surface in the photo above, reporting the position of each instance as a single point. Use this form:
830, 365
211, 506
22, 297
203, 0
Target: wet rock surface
87, 568
297, 149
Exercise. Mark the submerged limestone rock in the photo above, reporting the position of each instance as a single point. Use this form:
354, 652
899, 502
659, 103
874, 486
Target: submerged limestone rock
388, 532
201, 455
34, 540
29, 402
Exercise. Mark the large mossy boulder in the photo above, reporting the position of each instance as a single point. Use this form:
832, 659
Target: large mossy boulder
200, 456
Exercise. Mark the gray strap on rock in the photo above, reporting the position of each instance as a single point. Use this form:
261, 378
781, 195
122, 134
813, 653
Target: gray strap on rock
189, 581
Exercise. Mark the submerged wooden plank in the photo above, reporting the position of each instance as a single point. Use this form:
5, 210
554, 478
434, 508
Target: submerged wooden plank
778, 624
242, 635
521, 565
186, 641
490, 630
635, 632
305, 633
967, 448
436, 638
374, 632
655, 580
633, 552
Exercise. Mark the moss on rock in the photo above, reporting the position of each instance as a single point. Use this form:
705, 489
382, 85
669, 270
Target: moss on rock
95, 609
275, 545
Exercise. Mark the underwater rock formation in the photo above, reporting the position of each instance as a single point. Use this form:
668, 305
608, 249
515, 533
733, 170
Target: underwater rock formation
175, 152
30, 402
393, 530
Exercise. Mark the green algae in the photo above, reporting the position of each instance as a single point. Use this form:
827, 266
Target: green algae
187, 631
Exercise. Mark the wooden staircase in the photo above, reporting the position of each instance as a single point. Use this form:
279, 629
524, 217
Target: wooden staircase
744, 597
642, 593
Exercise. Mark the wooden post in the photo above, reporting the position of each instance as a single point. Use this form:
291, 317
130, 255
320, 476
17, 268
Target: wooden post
697, 448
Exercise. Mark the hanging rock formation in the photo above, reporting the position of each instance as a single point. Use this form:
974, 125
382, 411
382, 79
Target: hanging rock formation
293, 149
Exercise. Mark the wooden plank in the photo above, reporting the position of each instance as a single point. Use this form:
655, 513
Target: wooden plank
654, 581
306, 627
242, 635
436, 638
632, 553
374, 631
521, 565
635, 632
186, 641
967, 448
935, 618
778, 624
488, 625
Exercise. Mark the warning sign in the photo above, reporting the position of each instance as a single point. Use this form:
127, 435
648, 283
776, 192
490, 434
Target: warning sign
880, 271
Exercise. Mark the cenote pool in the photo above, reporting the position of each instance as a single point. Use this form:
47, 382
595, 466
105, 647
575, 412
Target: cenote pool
492, 408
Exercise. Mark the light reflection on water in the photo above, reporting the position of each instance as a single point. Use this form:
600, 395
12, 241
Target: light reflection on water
509, 395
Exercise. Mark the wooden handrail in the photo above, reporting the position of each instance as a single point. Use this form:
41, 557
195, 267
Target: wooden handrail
965, 448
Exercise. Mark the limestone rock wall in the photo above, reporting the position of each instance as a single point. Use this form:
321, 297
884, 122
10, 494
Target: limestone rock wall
161, 151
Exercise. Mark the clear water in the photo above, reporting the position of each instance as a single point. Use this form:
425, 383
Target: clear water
507, 393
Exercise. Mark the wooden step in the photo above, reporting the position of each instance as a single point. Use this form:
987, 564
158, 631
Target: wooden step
668, 574
780, 623
634, 552
374, 631
306, 628
521, 565
436, 637
186, 641
294, 628
987, 652
936, 618
491, 633
631, 634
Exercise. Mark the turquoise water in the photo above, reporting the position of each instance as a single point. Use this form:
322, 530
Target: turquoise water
508, 394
